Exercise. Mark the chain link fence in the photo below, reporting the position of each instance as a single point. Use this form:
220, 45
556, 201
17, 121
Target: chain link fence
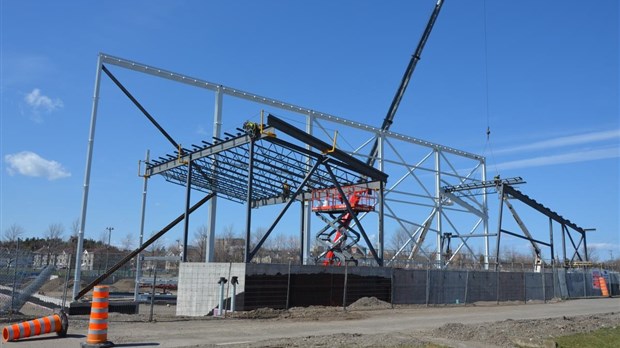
282, 287
21, 277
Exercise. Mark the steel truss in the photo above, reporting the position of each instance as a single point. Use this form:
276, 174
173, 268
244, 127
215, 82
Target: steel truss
413, 200
258, 168
508, 192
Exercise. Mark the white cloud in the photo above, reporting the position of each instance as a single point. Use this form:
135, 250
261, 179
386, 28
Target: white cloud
571, 157
41, 103
30, 164
604, 246
585, 138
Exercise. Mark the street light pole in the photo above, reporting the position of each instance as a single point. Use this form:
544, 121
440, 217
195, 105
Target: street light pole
107, 253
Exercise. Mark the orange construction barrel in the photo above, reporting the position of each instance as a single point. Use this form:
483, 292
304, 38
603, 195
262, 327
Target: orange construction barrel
57, 323
98, 324
603, 284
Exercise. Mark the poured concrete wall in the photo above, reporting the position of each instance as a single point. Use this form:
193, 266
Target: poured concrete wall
198, 291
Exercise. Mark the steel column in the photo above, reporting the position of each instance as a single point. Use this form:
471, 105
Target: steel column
381, 231
212, 208
499, 224
307, 206
248, 203
302, 226
438, 257
564, 231
142, 215
551, 240
89, 159
188, 193
485, 220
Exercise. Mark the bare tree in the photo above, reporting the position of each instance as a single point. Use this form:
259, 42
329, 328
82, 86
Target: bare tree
292, 243
398, 239
593, 254
53, 235
157, 247
200, 241
13, 232
127, 242
75, 228
54, 232
229, 247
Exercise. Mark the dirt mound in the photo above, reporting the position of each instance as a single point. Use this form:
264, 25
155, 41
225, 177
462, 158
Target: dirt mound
124, 285
369, 303
513, 332
312, 313
52, 285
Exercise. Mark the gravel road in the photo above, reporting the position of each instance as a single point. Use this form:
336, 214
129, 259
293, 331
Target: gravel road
480, 325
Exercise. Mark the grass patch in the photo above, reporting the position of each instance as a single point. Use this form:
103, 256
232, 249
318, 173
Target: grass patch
603, 338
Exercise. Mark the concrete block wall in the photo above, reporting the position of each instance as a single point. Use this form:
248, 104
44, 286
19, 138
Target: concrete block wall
198, 291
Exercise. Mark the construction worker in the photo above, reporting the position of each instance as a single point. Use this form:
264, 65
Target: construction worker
286, 190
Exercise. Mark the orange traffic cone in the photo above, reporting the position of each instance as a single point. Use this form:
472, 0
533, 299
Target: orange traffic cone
57, 323
98, 324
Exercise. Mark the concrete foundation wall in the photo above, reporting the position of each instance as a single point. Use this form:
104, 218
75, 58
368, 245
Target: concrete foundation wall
198, 291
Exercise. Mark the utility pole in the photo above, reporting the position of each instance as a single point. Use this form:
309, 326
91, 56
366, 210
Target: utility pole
107, 253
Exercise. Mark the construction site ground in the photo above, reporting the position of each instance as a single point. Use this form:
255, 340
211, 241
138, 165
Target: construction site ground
366, 323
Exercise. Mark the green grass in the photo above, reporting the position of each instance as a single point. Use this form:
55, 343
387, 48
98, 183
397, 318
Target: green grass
603, 338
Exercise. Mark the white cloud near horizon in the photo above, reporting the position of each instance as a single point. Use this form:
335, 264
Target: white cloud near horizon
604, 246
570, 157
578, 139
28, 163
39, 103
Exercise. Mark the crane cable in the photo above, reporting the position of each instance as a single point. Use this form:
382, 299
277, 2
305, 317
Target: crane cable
488, 147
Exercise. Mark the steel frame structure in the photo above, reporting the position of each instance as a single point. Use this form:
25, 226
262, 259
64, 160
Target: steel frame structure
413, 200
507, 192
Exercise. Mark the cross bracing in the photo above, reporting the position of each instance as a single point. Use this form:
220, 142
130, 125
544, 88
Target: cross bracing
418, 169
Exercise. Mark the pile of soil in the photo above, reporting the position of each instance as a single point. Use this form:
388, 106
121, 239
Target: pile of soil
369, 303
510, 333
56, 285
312, 313
123, 285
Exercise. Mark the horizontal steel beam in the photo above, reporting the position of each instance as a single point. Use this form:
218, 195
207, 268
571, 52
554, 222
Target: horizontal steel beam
541, 208
196, 82
354, 163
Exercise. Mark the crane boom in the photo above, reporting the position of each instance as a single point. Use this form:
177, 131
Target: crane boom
389, 118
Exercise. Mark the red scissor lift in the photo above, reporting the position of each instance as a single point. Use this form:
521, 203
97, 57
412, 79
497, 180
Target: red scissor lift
338, 237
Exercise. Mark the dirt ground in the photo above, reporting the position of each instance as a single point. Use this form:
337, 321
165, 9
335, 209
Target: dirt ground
368, 322
331, 326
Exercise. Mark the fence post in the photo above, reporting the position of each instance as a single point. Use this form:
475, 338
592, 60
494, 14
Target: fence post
497, 281
14, 281
584, 281
524, 286
392, 288
553, 276
344, 291
544, 291
466, 286
153, 295
288, 285
428, 281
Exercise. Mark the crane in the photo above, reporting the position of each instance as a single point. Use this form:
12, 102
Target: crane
389, 118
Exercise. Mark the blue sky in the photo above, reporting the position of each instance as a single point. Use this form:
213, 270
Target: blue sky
548, 87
